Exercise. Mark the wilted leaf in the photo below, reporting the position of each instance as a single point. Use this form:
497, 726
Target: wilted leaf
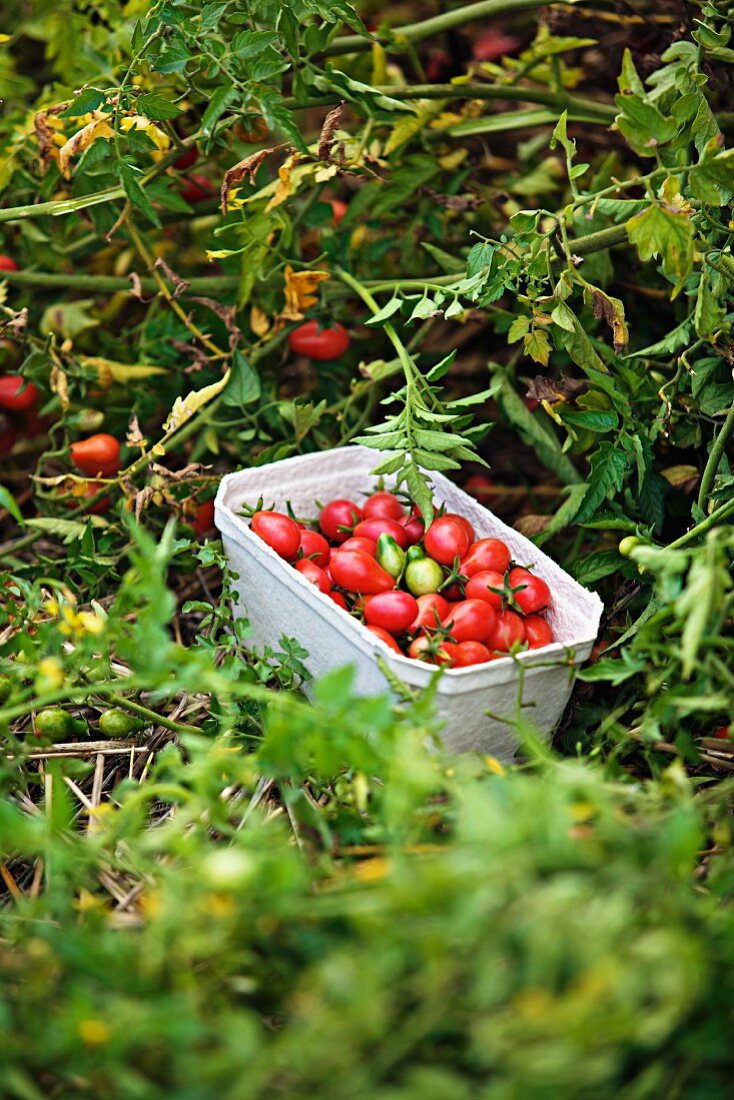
284, 185
235, 175
299, 291
81, 140
612, 310
185, 407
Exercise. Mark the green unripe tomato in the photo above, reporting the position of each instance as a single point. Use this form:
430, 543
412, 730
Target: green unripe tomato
423, 576
116, 722
390, 556
627, 545
86, 420
54, 723
6, 689
414, 553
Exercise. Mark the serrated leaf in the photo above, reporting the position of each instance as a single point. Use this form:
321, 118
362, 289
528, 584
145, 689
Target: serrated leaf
156, 106
608, 465
389, 466
519, 328
537, 346
669, 235
432, 461
593, 421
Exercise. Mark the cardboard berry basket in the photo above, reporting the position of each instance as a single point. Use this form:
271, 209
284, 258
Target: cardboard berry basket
278, 601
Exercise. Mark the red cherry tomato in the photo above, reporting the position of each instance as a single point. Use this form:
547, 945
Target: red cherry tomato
483, 586
99, 454
281, 533
314, 546
492, 45
470, 653
33, 424
339, 209
369, 546
373, 528
453, 593
470, 621
383, 505
530, 593
393, 611
486, 554
196, 189
338, 519
432, 609
7, 263
531, 404
438, 67
17, 394
203, 518
385, 637
480, 487
315, 342
537, 632
464, 522
723, 733
338, 599
508, 631
314, 574
187, 159
414, 528
447, 538
358, 572
423, 648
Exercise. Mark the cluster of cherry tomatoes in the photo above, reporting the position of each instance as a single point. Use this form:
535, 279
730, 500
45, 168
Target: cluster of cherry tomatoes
18, 410
438, 595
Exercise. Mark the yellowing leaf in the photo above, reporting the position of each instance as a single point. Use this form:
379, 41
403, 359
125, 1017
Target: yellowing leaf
109, 371
284, 185
160, 139
537, 346
81, 140
259, 322
299, 291
185, 407
410, 125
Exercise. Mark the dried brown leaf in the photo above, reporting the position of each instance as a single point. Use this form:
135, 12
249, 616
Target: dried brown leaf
556, 389
235, 175
180, 284
326, 137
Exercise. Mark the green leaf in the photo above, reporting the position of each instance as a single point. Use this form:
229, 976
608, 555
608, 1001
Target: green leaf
136, 194
440, 369
642, 125
7, 500
244, 385
157, 107
608, 465
712, 181
388, 466
452, 265
221, 99
667, 234
709, 312
387, 311
251, 43
592, 421
89, 100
